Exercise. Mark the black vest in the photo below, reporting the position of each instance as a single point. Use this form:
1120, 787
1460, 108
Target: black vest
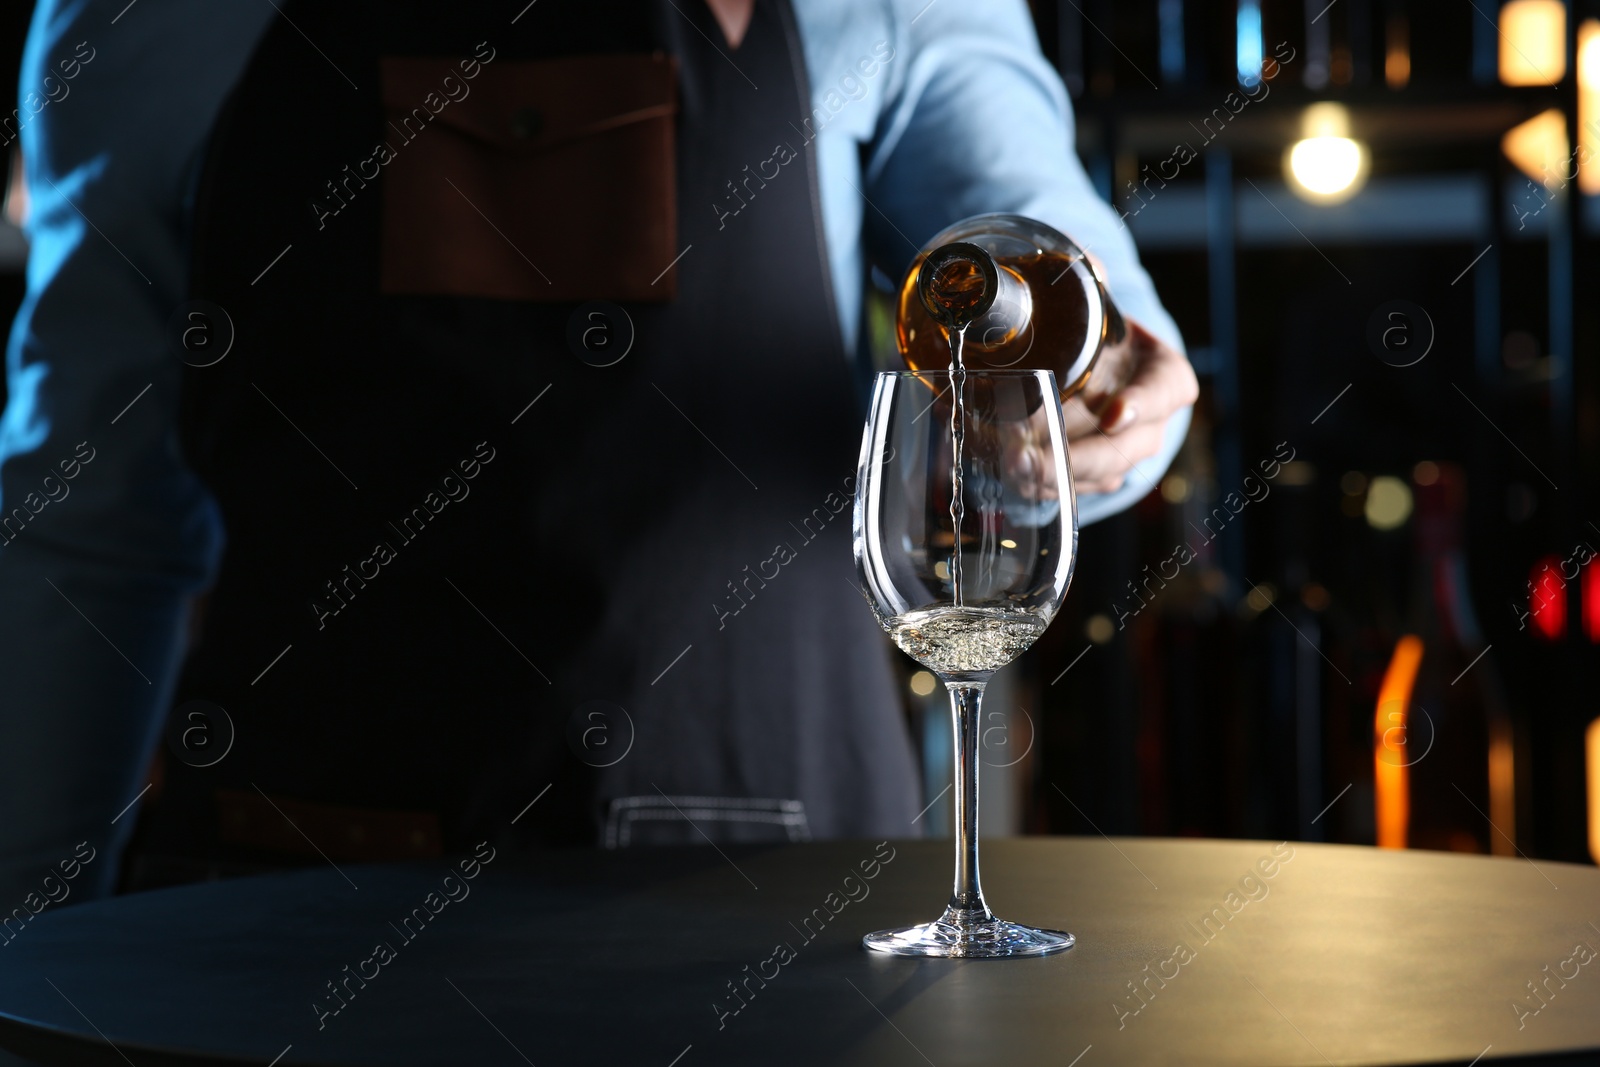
462, 563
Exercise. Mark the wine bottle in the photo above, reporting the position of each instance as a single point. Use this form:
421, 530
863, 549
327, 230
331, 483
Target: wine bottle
1051, 310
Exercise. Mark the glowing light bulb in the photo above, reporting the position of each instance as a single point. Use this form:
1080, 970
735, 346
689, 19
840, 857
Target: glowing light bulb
1327, 165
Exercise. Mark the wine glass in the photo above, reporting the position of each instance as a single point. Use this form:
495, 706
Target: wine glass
965, 564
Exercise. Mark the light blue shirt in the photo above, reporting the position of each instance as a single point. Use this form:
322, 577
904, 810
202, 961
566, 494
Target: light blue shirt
959, 115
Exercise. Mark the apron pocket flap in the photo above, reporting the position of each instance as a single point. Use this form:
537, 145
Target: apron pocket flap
549, 180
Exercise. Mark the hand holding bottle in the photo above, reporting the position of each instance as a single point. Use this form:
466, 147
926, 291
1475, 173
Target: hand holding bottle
1120, 415
1051, 309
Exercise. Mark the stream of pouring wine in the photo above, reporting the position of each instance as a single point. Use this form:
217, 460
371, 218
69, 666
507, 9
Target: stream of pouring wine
958, 433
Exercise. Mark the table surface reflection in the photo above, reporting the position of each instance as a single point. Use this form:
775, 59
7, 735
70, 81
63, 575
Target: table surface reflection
1194, 952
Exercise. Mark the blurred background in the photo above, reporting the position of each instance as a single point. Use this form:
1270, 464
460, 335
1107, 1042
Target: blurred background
1362, 606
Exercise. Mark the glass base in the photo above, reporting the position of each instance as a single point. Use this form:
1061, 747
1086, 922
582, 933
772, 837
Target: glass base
957, 935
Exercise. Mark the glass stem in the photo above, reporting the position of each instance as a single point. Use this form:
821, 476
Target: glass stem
966, 900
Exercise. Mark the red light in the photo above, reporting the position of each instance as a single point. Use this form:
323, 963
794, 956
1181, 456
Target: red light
1547, 599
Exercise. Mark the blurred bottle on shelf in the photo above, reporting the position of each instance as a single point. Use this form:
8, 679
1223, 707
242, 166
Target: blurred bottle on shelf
1443, 745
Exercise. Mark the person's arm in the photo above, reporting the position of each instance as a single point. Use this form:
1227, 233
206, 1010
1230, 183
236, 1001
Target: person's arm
105, 534
977, 121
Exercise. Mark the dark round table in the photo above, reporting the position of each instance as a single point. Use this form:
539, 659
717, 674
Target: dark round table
1190, 952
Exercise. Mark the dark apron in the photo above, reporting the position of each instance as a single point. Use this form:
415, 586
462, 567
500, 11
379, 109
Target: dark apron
438, 600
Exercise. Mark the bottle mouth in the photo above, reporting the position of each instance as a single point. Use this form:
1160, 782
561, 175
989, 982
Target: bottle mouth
958, 283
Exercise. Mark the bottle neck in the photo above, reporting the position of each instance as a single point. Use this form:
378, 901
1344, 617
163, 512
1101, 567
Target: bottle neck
965, 290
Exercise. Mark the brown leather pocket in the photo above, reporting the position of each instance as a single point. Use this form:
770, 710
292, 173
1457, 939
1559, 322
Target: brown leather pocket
551, 180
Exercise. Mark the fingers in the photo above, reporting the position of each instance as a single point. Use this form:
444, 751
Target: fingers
1120, 413
1131, 423
1027, 464
1032, 473
1101, 461
1162, 382
1076, 418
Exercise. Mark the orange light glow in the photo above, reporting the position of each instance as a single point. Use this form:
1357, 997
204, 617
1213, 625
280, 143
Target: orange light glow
1390, 753
1502, 787
1533, 38
1589, 106
1538, 148
1592, 739
1397, 56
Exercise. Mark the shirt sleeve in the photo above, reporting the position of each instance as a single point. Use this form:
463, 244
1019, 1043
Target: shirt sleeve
976, 120
104, 531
